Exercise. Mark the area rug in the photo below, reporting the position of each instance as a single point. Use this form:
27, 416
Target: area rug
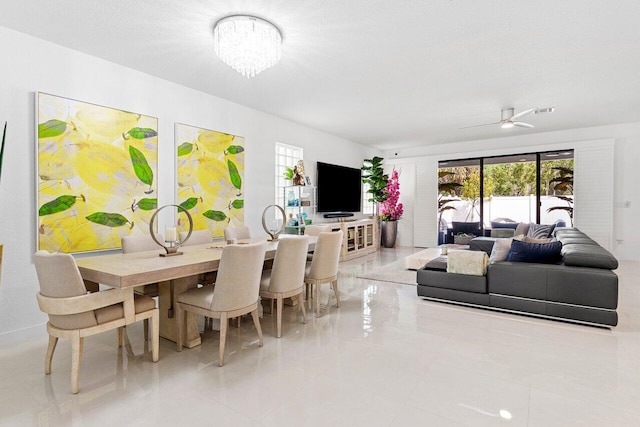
394, 272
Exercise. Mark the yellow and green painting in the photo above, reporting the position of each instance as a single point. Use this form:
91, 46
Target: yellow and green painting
97, 174
210, 179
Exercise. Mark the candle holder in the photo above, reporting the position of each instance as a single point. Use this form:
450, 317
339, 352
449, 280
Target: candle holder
170, 247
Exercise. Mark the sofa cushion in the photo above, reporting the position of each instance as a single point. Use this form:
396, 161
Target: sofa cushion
484, 244
544, 253
540, 231
500, 251
594, 256
458, 282
522, 228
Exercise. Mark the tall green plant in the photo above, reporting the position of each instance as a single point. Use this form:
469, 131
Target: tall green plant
373, 175
4, 134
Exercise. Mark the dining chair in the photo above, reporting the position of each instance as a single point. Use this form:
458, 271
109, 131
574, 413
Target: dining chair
198, 237
76, 314
237, 233
314, 230
286, 278
324, 266
235, 292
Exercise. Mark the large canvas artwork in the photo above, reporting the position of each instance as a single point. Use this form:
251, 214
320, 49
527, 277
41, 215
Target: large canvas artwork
210, 178
97, 170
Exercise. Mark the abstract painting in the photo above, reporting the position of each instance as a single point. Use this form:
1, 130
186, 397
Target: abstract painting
210, 179
96, 174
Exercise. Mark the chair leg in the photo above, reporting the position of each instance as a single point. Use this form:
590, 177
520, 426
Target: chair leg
317, 297
76, 357
334, 285
155, 335
120, 336
180, 320
238, 321
146, 329
49, 357
256, 321
224, 324
301, 304
279, 316
272, 300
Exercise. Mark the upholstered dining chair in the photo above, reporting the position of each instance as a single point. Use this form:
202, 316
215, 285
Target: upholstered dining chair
324, 266
314, 230
237, 233
286, 278
76, 314
198, 237
235, 292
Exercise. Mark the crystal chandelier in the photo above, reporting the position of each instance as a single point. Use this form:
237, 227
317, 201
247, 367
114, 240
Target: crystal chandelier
247, 44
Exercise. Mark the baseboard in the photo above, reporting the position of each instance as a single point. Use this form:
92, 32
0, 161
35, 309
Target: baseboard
12, 337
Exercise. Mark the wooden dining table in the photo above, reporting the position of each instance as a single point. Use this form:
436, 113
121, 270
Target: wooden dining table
174, 275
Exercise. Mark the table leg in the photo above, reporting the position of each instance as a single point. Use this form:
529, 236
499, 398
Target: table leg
168, 292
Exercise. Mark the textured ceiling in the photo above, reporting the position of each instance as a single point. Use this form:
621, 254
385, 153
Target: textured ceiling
389, 74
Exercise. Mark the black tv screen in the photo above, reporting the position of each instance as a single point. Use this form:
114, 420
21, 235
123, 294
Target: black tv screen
339, 188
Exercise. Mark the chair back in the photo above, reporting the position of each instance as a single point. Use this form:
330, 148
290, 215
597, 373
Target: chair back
237, 233
59, 277
314, 230
197, 237
139, 243
239, 274
326, 255
289, 264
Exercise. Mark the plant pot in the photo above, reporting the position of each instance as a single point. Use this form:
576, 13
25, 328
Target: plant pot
388, 233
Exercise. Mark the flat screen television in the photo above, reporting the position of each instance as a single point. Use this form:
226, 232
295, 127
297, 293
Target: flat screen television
339, 188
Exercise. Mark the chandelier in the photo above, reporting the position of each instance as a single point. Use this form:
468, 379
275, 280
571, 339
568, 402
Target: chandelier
247, 44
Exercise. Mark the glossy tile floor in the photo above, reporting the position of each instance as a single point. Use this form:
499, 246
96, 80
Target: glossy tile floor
384, 358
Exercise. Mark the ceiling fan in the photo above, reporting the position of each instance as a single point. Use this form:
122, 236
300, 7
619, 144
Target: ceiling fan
509, 119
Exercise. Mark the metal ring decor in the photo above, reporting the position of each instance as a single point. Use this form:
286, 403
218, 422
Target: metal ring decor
274, 236
172, 249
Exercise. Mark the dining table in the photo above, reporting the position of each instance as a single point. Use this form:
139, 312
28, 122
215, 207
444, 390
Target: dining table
173, 274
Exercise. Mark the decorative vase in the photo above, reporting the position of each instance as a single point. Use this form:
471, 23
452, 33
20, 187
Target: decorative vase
389, 233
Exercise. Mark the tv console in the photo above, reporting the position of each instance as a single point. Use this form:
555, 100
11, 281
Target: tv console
361, 237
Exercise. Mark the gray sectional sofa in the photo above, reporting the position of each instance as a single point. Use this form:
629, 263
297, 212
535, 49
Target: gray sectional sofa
582, 288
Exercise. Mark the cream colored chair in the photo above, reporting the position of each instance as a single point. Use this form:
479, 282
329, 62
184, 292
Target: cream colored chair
237, 233
324, 266
235, 292
76, 314
286, 278
198, 237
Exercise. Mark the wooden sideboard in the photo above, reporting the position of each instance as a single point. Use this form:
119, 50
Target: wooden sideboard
360, 237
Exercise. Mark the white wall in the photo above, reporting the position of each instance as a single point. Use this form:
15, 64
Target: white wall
31, 65
626, 197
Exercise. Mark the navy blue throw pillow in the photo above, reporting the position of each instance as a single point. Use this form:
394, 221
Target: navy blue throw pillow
544, 253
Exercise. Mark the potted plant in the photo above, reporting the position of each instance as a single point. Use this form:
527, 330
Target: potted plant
373, 175
564, 185
391, 211
288, 174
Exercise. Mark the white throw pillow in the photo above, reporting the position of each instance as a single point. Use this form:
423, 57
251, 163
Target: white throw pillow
500, 250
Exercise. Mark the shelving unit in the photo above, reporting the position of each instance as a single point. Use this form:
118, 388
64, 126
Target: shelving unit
361, 237
299, 201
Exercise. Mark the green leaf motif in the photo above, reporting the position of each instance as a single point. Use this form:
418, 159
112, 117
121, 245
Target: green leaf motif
60, 204
234, 175
190, 203
140, 166
185, 148
235, 149
237, 204
147, 204
142, 133
215, 215
108, 219
51, 128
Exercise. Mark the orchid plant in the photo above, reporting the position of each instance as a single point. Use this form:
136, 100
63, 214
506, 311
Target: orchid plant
390, 209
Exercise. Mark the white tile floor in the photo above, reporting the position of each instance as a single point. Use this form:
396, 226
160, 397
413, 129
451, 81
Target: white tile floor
386, 357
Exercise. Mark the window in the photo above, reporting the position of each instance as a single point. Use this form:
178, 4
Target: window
286, 156
367, 206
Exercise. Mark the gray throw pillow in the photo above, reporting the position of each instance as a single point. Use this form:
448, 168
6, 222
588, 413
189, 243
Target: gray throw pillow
539, 231
500, 251
522, 228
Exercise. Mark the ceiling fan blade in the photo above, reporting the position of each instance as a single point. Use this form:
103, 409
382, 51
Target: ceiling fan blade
477, 126
523, 125
523, 113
